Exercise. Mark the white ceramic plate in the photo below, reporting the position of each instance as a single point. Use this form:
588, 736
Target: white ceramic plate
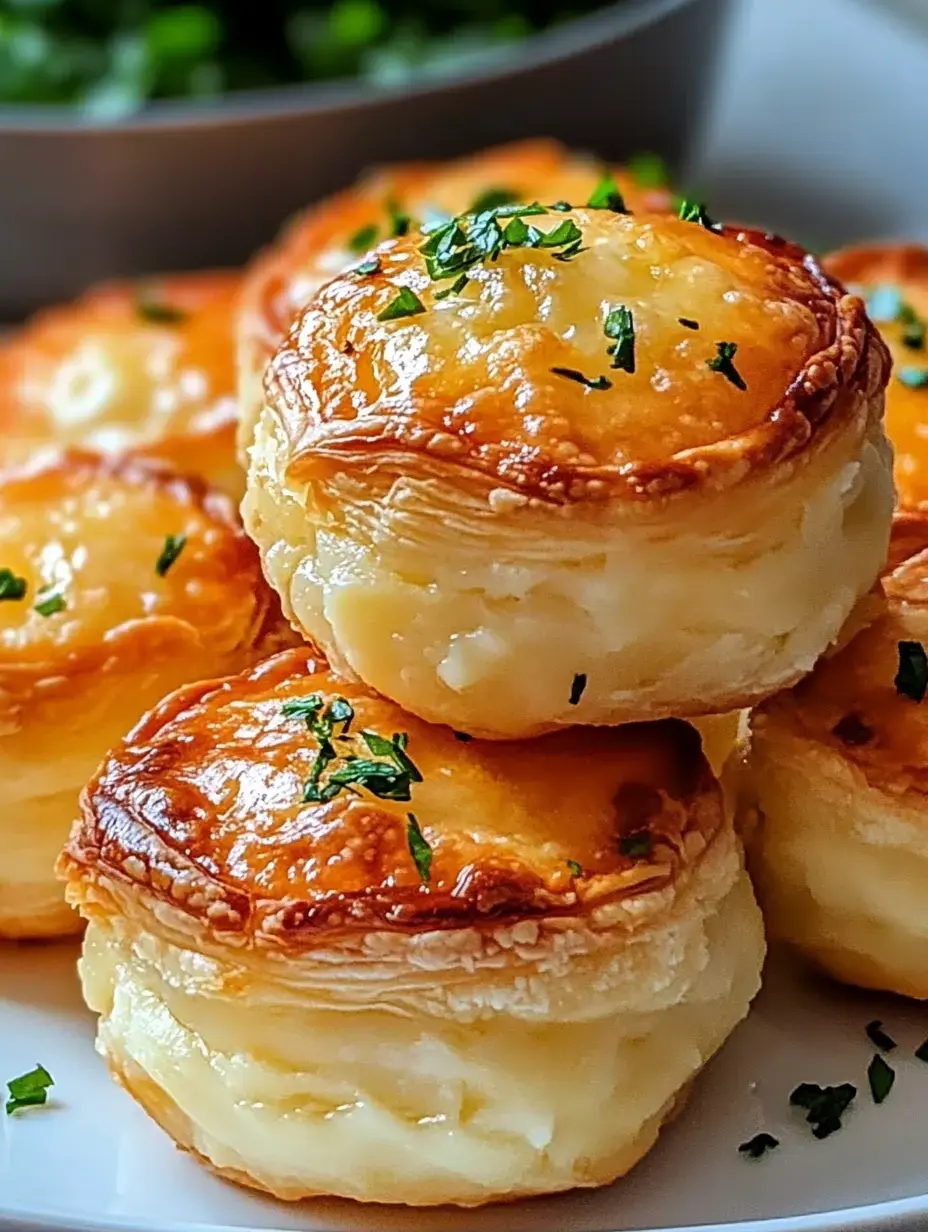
92, 1160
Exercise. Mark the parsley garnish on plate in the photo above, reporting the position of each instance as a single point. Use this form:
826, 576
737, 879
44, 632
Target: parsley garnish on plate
406, 304
636, 846
12, 586
591, 382
824, 1106
695, 211
758, 1146
51, 604
620, 325
363, 239
723, 363
493, 198
173, 546
878, 1037
575, 868
577, 687
881, 1077
913, 378
607, 196
912, 675
648, 170
29, 1090
419, 848
158, 311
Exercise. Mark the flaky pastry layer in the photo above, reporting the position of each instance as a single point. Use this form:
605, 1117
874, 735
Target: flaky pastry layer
146, 367
91, 635
327, 238
839, 784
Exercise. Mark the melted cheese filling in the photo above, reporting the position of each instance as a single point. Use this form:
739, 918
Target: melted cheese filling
366, 1099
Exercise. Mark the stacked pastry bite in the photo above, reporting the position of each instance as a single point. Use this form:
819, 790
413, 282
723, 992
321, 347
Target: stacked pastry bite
836, 791
426, 911
123, 573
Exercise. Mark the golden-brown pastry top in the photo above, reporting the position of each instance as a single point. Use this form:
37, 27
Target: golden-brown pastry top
851, 704
469, 387
147, 365
88, 590
202, 807
326, 238
894, 280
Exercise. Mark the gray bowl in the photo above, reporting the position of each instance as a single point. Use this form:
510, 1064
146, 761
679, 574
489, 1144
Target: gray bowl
197, 184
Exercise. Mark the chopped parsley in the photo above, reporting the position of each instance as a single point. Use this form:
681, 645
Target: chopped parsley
878, 1037
912, 675
620, 325
463, 737
363, 238
688, 323
12, 586
419, 848
493, 198
758, 1146
371, 265
406, 304
562, 206
695, 211
173, 546
159, 312
577, 687
648, 170
921, 1052
851, 729
824, 1106
913, 378
723, 363
575, 868
29, 1090
881, 1077
636, 846
50, 605
591, 382
459, 244
455, 288
607, 196
913, 333
400, 221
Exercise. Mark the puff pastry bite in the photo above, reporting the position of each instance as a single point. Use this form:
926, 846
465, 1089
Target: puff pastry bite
508, 996
839, 784
118, 582
894, 280
146, 366
631, 467
326, 238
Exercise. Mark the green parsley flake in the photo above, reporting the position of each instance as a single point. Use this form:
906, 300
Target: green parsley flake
576, 689
419, 848
159, 312
406, 304
607, 196
29, 1090
363, 239
575, 868
591, 382
824, 1106
913, 378
493, 198
636, 846
173, 546
878, 1037
912, 675
688, 323
723, 363
620, 325
50, 605
562, 207
468, 240
369, 266
921, 1052
463, 737
758, 1146
12, 586
695, 211
400, 221
648, 170
881, 1077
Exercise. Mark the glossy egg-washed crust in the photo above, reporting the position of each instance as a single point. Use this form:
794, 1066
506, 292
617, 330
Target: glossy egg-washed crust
316, 244
97, 373
904, 267
201, 809
849, 705
467, 387
90, 530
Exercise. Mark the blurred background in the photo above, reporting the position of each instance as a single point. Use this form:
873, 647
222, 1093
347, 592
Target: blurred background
138, 135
